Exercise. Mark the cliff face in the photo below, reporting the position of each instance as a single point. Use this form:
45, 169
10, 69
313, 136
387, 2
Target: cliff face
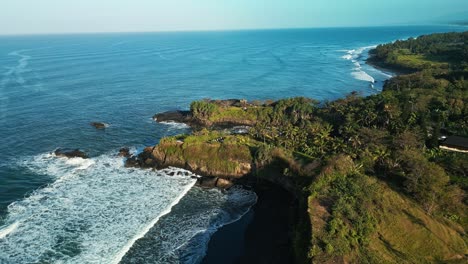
221, 160
216, 159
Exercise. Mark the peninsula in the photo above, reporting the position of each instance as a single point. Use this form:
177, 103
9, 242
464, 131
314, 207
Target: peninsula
369, 181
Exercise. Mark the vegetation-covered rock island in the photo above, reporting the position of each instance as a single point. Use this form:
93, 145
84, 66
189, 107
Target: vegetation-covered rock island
370, 181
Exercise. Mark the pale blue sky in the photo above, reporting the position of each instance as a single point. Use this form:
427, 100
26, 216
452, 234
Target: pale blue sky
70, 16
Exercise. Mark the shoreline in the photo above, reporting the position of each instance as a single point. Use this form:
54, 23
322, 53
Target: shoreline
250, 239
381, 66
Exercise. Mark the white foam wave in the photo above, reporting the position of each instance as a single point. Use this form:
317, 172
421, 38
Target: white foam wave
199, 215
387, 75
79, 163
7, 230
355, 56
146, 228
56, 167
347, 57
175, 125
92, 213
362, 76
356, 53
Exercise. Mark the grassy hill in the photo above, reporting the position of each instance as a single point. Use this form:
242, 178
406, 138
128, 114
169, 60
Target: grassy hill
357, 218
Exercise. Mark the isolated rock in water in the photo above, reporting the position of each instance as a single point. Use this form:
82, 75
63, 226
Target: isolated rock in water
99, 125
71, 153
124, 152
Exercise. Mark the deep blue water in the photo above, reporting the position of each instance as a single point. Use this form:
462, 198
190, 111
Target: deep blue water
52, 87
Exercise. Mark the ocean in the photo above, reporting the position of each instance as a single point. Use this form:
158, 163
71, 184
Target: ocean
57, 210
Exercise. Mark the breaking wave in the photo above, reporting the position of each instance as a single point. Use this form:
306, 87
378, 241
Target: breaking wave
190, 225
175, 125
356, 57
93, 212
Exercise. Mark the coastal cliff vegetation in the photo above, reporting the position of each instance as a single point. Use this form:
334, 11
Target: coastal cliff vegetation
372, 186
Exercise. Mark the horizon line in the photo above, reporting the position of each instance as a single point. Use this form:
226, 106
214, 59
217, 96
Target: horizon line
221, 30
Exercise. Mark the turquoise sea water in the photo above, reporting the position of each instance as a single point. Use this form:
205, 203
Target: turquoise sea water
93, 211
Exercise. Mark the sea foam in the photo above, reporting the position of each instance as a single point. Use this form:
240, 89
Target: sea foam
7, 230
355, 56
175, 125
93, 212
199, 214
16, 71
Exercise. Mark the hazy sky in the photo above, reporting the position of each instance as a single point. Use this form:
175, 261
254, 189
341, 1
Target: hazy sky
58, 16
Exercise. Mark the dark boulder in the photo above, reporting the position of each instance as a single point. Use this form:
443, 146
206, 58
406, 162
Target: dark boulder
99, 125
76, 153
174, 116
124, 152
132, 162
142, 160
207, 182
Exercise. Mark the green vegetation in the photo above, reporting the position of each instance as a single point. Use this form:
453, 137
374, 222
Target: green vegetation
211, 112
210, 152
367, 170
435, 52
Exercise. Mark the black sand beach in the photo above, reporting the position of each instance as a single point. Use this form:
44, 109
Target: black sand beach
260, 236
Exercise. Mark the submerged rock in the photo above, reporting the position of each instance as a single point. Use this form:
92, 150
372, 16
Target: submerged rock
76, 153
99, 125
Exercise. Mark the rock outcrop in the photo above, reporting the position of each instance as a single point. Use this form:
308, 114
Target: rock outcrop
220, 163
76, 153
174, 116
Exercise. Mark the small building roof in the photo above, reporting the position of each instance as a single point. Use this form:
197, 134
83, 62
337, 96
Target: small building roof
455, 142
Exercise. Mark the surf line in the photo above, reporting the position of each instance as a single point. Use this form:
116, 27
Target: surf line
117, 258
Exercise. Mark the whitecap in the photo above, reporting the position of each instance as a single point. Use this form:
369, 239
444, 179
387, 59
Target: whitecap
347, 57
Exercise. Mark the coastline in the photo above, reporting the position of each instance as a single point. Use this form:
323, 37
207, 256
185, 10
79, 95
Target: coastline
235, 245
250, 239
395, 71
